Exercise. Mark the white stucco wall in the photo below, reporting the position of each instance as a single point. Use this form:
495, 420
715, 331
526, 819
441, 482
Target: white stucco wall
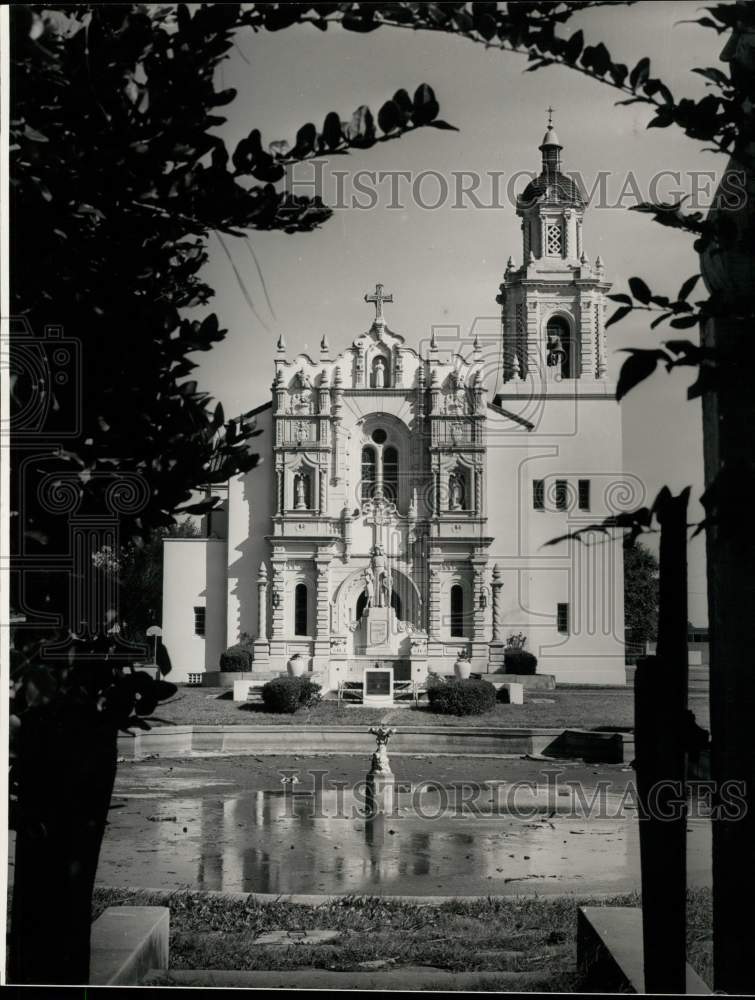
572, 439
194, 575
251, 505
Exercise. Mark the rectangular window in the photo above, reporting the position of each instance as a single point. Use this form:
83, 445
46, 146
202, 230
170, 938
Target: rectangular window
562, 618
538, 494
199, 620
562, 495
584, 494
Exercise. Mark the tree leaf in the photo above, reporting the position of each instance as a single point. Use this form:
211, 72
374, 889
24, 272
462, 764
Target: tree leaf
640, 290
687, 287
636, 369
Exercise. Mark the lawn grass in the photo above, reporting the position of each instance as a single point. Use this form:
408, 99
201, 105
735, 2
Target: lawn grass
585, 708
512, 935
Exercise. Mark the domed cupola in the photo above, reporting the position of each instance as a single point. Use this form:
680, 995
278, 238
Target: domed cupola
551, 186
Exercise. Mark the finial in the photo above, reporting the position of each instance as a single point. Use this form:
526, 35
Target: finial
599, 263
550, 116
476, 344
516, 374
433, 344
510, 264
281, 345
324, 346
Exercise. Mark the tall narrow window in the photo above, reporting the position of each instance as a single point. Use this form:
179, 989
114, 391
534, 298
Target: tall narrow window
584, 494
538, 494
369, 472
300, 609
559, 347
562, 494
457, 611
562, 618
390, 474
199, 620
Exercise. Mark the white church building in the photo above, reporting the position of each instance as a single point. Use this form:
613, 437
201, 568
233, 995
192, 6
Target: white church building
407, 495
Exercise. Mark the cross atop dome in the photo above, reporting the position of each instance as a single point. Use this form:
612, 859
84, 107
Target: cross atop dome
378, 299
550, 116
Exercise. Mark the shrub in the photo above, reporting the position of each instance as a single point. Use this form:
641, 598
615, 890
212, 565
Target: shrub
457, 697
519, 661
236, 658
289, 694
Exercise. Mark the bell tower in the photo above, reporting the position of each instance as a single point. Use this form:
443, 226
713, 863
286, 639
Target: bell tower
553, 305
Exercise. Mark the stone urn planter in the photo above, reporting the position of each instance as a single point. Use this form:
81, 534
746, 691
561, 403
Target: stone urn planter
297, 665
462, 668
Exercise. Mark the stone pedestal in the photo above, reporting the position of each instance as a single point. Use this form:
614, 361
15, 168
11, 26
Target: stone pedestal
380, 792
496, 656
380, 633
514, 693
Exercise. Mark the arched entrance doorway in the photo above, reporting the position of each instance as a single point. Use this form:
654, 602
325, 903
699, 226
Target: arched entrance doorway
395, 604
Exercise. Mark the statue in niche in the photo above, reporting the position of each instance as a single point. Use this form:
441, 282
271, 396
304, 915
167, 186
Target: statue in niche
556, 352
455, 492
369, 587
301, 492
305, 382
379, 373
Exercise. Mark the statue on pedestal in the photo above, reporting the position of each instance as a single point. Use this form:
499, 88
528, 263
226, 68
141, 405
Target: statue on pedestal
382, 576
369, 587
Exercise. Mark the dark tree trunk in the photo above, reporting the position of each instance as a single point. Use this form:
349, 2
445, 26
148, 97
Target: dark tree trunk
660, 731
66, 769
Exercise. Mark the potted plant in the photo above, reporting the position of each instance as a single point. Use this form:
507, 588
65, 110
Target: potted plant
462, 667
297, 665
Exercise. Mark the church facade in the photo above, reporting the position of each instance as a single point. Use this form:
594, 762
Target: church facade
408, 494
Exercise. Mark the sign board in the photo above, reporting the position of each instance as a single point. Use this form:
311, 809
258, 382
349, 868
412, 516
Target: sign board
377, 682
378, 686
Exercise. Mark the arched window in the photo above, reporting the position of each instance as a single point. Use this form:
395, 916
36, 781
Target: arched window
369, 472
300, 610
457, 611
559, 347
390, 474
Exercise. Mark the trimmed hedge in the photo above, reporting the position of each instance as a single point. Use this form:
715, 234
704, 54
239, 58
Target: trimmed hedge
237, 658
461, 697
289, 694
519, 661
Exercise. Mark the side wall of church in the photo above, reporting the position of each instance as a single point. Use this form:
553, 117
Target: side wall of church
572, 440
194, 571
251, 505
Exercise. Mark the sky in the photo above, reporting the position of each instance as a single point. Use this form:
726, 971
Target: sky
444, 264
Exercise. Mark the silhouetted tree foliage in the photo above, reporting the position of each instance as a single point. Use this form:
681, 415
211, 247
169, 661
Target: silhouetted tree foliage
640, 593
117, 183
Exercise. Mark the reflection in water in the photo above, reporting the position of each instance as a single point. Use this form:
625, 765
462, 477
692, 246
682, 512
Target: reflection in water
300, 842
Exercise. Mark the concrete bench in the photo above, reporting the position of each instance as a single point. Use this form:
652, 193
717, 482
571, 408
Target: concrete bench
514, 693
610, 951
126, 942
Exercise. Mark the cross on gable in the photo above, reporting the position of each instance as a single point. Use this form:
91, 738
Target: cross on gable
378, 299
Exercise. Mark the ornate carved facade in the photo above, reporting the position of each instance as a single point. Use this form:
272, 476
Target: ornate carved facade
397, 514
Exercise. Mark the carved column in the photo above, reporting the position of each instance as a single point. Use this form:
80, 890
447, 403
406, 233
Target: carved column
322, 613
496, 654
261, 647
277, 623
